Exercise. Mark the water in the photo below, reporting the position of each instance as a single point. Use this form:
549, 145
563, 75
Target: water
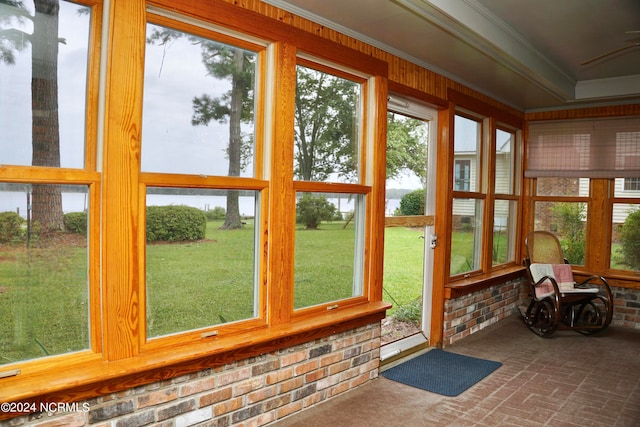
16, 201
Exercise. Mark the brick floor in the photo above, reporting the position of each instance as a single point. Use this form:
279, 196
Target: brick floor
566, 380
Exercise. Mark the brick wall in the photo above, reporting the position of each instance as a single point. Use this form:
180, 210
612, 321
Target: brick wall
626, 308
470, 313
252, 392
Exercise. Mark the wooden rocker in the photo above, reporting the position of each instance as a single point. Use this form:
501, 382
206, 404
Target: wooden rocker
557, 301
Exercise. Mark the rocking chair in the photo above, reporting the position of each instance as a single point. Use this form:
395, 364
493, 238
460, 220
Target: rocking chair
557, 302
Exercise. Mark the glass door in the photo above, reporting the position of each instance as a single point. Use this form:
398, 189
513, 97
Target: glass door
409, 235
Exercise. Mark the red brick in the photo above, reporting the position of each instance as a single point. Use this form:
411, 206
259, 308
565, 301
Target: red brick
288, 409
157, 397
227, 406
303, 368
279, 376
291, 384
215, 396
197, 386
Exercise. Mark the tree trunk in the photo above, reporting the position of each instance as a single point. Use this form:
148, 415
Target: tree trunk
47, 199
232, 219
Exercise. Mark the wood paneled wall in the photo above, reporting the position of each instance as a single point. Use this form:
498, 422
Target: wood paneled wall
401, 71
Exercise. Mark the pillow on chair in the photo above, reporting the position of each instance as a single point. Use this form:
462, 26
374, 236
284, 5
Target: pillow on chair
562, 274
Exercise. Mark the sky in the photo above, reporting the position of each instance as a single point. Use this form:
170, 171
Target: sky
174, 75
15, 84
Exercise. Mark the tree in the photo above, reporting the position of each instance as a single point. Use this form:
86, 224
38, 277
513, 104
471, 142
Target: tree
235, 107
325, 126
630, 239
45, 139
406, 146
571, 218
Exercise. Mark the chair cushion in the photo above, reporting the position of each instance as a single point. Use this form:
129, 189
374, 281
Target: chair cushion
562, 274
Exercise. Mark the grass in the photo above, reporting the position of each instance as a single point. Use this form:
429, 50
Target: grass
43, 302
403, 266
324, 264
192, 285
43, 291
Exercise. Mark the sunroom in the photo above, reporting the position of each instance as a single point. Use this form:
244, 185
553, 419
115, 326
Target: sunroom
202, 209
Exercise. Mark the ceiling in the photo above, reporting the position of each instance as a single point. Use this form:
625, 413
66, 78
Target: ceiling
528, 54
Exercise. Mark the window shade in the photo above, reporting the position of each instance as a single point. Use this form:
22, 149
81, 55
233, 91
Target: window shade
594, 148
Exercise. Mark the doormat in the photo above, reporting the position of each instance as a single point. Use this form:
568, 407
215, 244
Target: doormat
441, 372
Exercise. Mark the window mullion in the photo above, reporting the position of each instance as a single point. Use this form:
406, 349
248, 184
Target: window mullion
282, 204
598, 225
489, 178
120, 189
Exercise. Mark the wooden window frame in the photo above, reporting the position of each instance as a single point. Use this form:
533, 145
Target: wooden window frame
491, 118
120, 357
601, 201
363, 187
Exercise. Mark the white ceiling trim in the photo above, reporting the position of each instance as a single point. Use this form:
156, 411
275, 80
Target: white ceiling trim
475, 25
604, 88
284, 5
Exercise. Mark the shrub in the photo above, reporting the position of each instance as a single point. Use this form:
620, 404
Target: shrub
571, 217
630, 240
175, 223
76, 222
216, 213
313, 209
412, 203
10, 227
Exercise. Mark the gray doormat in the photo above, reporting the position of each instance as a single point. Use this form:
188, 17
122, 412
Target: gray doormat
441, 372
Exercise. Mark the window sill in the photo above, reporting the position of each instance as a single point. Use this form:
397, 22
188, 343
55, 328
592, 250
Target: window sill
73, 382
615, 279
477, 283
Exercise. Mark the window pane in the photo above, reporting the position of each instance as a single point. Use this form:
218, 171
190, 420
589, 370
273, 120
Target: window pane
503, 232
504, 162
627, 187
197, 273
548, 186
43, 273
467, 149
198, 109
568, 221
54, 135
466, 238
327, 120
328, 248
407, 148
625, 241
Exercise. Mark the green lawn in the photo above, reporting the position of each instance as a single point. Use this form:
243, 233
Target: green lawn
43, 302
43, 291
403, 266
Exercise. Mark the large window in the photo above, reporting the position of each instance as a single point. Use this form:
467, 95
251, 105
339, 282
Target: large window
156, 215
48, 183
469, 196
485, 195
505, 212
625, 228
560, 206
327, 158
586, 173
199, 121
